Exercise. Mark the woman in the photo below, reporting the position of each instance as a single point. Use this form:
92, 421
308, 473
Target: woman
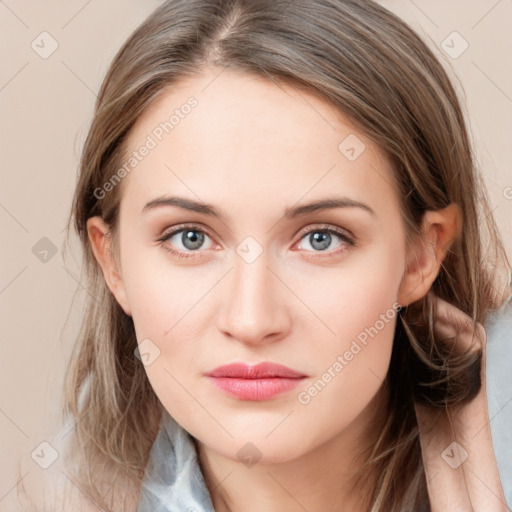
279, 211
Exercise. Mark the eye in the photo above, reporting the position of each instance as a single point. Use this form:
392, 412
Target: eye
186, 239
325, 239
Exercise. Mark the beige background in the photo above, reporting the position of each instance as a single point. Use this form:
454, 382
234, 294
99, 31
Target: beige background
46, 107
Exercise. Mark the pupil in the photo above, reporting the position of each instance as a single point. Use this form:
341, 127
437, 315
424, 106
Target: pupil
320, 241
192, 239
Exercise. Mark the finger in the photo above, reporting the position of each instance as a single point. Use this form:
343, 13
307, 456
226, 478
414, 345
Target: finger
450, 322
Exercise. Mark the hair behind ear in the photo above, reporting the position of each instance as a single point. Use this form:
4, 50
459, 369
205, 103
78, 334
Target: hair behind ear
440, 376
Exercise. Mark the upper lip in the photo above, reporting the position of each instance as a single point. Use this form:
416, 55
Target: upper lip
259, 371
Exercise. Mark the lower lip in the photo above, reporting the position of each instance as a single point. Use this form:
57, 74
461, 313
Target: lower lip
255, 389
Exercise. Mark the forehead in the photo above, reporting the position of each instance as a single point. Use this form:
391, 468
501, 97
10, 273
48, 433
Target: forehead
226, 136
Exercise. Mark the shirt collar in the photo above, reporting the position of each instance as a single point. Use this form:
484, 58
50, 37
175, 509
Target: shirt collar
173, 479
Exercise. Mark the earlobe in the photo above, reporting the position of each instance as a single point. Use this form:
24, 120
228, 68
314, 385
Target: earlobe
103, 252
440, 228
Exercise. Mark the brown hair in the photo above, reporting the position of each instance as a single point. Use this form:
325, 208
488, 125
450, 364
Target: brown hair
384, 78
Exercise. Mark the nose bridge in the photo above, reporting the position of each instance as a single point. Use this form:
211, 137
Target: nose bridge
252, 310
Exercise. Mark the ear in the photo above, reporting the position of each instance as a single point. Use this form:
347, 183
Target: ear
440, 228
102, 248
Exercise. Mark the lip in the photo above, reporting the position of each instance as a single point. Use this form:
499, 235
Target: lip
260, 382
259, 371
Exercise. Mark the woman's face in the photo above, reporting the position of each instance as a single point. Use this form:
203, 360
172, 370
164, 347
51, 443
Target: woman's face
261, 274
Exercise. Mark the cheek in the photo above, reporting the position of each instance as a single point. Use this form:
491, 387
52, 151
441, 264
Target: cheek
353, 366
352, 297
341, 398
169, 308
354, 363
159, 291
172, 308
360, 307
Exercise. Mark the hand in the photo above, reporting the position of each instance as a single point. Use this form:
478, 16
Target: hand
458, 454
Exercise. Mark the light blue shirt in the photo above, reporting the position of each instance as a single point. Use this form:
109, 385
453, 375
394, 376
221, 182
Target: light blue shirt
174, 482
499, 391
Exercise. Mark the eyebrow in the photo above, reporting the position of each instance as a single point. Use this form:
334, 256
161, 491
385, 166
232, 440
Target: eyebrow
289, 213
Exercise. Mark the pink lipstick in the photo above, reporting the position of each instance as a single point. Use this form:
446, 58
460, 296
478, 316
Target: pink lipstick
260, 382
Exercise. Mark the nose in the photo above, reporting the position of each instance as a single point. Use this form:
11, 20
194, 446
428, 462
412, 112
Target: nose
254, 310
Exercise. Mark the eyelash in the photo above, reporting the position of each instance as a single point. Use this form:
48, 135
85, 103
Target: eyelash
193, 227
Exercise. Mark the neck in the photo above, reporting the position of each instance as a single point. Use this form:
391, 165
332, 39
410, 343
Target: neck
323, 479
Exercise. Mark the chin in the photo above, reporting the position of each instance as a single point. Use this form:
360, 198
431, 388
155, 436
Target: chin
256, 449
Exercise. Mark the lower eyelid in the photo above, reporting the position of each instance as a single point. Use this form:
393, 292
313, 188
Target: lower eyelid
328, 253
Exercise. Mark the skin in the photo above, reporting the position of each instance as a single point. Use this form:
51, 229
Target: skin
474, 484
253, 148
